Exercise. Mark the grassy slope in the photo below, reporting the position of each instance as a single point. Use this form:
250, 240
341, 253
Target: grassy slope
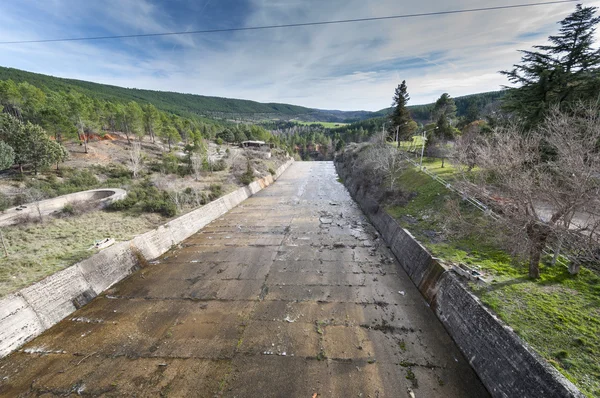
328, 125
38, 250
559, 315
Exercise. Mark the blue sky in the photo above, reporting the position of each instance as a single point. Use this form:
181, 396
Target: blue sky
347, 67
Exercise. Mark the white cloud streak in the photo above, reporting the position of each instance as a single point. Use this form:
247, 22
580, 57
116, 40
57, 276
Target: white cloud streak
349, 67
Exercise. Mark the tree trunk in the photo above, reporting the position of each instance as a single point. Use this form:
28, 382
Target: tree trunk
443, 159
85, 141
538, 235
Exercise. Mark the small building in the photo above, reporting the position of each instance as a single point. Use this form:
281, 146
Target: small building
258, 145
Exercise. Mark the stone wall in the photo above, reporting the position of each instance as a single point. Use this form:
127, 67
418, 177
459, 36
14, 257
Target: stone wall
29, 312
506, 365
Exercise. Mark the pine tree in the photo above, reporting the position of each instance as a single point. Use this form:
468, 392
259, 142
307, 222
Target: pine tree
562, 72
400, 117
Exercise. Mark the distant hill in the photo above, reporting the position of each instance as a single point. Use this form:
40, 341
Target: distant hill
184, 104
228, 108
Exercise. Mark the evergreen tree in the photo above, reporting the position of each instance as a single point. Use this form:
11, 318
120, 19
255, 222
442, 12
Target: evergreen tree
400, 117
7, 156
562, 72
443, 114
151, 120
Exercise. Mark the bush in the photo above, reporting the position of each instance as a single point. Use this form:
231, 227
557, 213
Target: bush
82, 180
164, 207
116, 171
170, 164
5, 202
248, 176
216, 191
271, 171
145, 197
220, 165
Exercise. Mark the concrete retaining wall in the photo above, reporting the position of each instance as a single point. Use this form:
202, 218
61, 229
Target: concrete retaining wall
29, 312
99, 197
506, 365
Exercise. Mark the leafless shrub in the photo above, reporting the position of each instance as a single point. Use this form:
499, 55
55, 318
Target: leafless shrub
387, 161
542, 182
35, 197
135, 157
196, 162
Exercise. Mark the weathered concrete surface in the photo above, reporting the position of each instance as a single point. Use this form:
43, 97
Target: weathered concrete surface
289, 294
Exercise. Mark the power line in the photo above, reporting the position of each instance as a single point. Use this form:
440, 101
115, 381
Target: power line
294, 25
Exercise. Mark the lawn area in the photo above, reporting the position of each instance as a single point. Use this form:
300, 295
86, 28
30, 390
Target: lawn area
558, 315
38, 250
415, 144
328, 125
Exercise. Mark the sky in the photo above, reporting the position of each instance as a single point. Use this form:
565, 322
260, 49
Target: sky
347, 67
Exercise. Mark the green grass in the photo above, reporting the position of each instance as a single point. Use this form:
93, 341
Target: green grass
328, 125
416, 143
558, 315
39, 250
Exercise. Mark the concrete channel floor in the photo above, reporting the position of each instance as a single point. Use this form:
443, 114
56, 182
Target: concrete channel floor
290, 294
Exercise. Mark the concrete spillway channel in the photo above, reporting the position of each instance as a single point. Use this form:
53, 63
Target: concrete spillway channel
290, 294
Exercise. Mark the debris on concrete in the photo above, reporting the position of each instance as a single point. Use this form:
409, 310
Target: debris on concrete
102, 244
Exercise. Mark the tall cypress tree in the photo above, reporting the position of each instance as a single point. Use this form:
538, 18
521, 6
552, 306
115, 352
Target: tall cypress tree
564, 71
400, 117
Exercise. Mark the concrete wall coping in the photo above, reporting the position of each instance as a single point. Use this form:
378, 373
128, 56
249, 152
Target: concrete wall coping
27, 313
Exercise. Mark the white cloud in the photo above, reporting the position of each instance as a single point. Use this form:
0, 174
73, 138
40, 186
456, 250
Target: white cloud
350, 66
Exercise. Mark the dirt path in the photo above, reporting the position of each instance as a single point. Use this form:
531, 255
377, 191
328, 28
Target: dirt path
288, 295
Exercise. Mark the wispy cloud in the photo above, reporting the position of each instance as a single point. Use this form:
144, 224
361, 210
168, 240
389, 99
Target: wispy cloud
354, 66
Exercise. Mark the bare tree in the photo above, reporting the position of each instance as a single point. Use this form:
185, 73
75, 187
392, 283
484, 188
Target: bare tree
440, 149
35, 196
465, 147
541, 181
135, 158
196, 162
386, 160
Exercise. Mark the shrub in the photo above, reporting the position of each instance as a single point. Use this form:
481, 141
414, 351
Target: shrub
145, 197
220, 165
216, 191
116, 171
271, 171
161, 206
68, 210
82, 180
248, 175
5, 202
170, 164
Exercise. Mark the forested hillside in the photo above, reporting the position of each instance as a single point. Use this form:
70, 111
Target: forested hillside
181, 104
